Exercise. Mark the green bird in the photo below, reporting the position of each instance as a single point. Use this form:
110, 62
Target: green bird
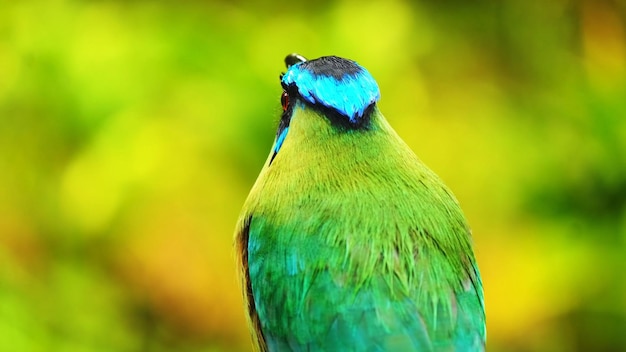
347, 241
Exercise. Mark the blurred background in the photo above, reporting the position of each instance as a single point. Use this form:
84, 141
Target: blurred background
132, 131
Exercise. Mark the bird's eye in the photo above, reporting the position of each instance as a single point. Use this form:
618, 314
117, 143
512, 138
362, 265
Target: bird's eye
284, 99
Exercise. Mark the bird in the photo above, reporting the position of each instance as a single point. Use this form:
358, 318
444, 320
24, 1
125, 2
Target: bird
347, 241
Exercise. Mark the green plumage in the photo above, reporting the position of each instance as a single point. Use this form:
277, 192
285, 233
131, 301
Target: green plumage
348, 241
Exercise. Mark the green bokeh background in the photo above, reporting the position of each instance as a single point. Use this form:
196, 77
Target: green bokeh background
131, 132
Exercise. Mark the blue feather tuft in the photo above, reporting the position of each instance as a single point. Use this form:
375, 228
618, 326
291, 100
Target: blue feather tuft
335, 83
280, 139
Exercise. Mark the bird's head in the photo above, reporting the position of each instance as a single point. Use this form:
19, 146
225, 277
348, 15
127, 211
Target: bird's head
340, 89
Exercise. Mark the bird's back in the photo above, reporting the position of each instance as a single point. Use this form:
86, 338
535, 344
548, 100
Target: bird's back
351, 243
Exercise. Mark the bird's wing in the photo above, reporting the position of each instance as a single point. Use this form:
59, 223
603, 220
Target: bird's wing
302, 297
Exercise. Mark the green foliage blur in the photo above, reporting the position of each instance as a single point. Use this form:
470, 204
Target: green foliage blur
131, 132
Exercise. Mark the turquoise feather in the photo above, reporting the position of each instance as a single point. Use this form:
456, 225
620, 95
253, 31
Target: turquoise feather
347, 241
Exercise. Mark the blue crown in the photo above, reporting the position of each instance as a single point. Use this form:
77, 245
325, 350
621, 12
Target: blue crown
335, 83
